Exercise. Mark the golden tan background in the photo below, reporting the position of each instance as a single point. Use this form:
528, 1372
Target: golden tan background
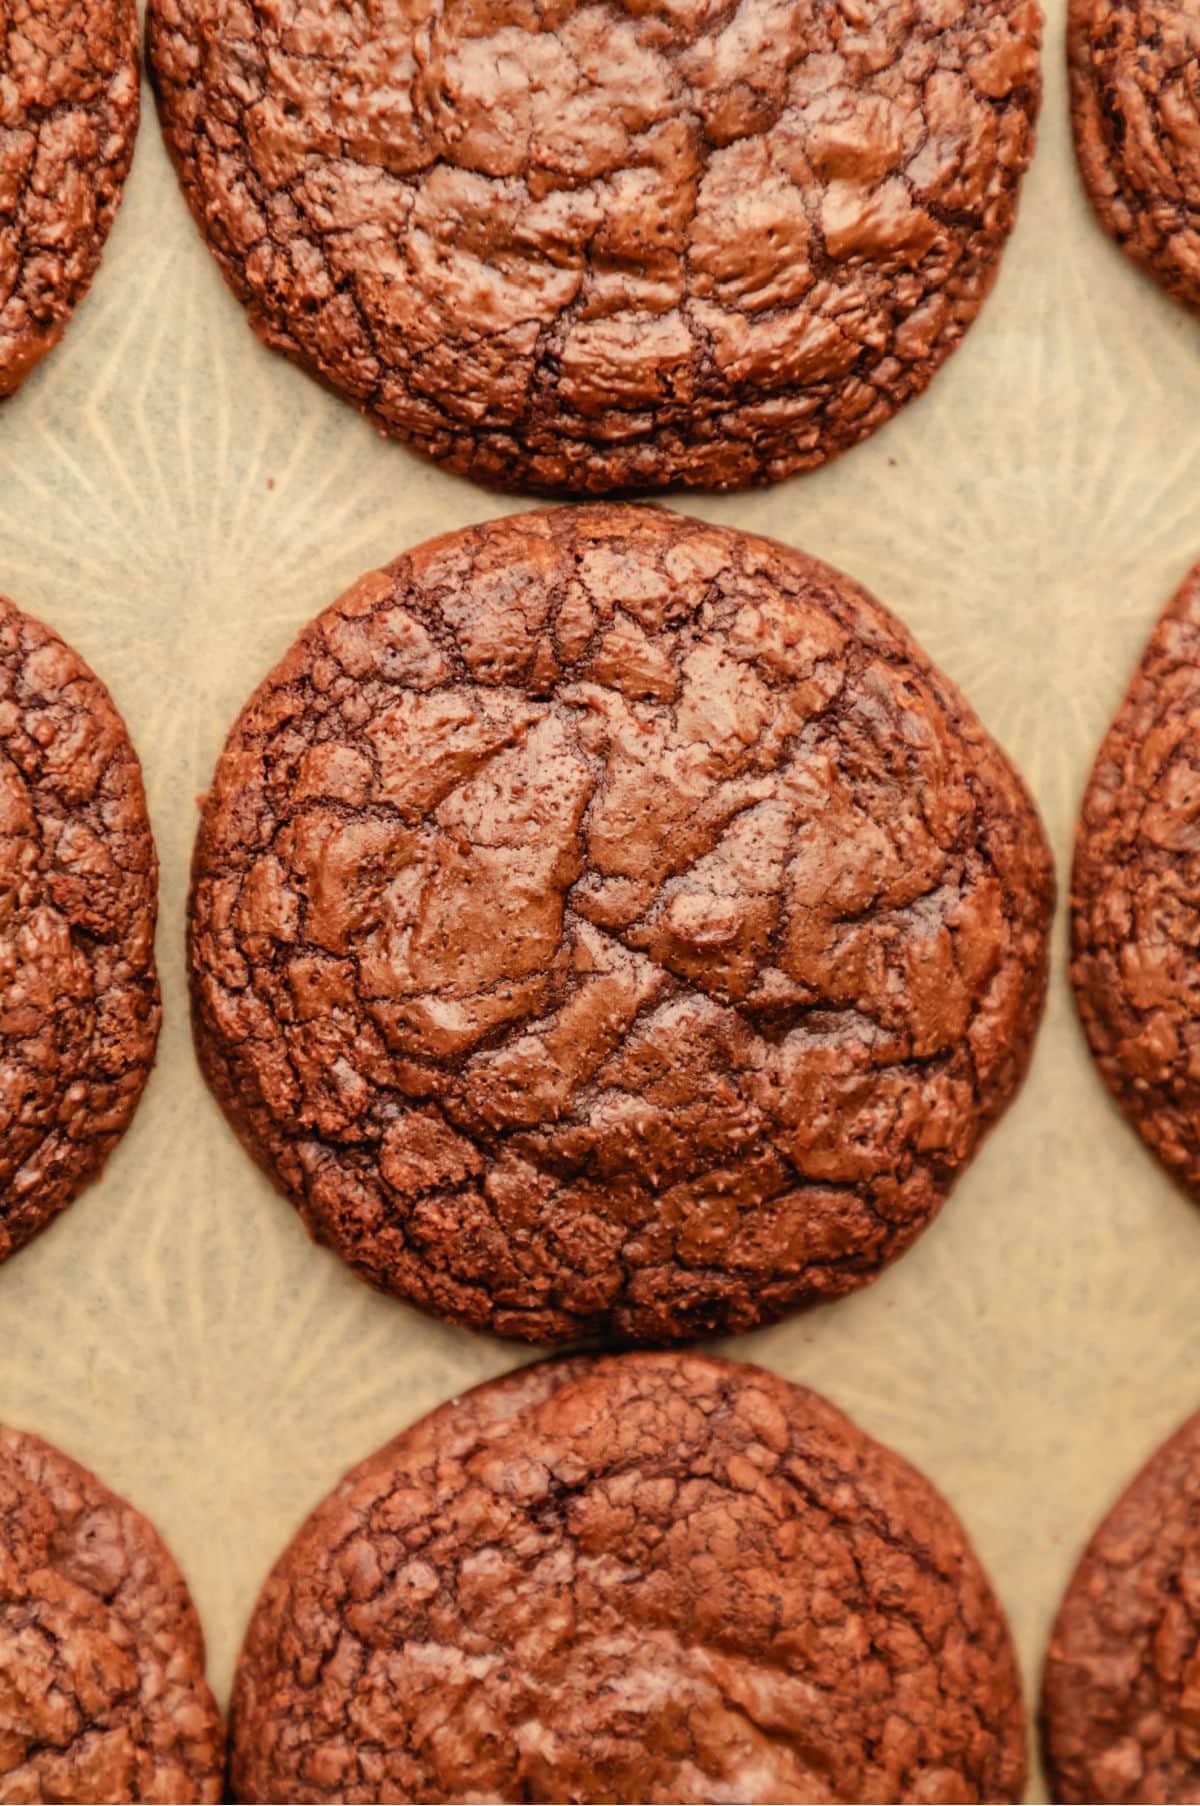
178, 503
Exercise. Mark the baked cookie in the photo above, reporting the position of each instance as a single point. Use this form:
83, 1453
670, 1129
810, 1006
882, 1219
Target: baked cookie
79, 1007
1135, 102
591, 248
68, 118
646, 1577
607, 924
1119, 1694
1135, 901
102, 1689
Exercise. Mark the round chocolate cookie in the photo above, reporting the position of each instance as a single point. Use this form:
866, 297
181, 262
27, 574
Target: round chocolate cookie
648, 1577
1135, 896
68, 119
102, 1689
1135, 101
79, 1005
1119, 1696
605, 923
607, 244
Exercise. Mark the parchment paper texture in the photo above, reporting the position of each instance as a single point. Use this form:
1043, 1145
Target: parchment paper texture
178, 503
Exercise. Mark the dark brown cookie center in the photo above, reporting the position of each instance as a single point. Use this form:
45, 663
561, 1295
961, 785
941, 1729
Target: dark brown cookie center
693, 910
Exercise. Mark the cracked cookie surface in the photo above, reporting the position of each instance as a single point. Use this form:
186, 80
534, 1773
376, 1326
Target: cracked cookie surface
79, 1009
1135, 103
68, 118
590, 247
604, 923
645, 1577
1119, 1696
1134, 899
102, 1689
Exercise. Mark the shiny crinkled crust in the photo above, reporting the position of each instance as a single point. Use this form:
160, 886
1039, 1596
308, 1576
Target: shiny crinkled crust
606, 245
102, 1688
604, 923
79, 1006
650, 1577
69, 105
1135, 896
1135, 103
1119, 1694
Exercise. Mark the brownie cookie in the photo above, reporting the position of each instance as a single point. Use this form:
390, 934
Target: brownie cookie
1119, 1696
78, 891
614, 245
1135, 101
605, 923
1136, 896
68, 119
648, 1577
102, 1688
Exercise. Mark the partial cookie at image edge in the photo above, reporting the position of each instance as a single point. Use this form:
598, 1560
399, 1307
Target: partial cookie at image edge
1138, 154
648, 1576
1134, 921
102, 1651
79, 1008
1118, 1716
624, 254
71, 111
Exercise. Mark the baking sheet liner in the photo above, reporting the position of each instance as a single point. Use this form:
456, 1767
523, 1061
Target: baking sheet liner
178, 503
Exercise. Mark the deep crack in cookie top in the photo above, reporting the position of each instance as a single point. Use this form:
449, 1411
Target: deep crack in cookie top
588, 247
655, 1577
102, 1689
1135, 896
1135, 101
68, 119
1119, 1698
608, 923
79, 1009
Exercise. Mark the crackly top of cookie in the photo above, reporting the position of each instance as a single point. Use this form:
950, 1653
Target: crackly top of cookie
1135, 88
1135, 898
68, 118
603, 921
1120, 1687
101, 1657
614, 245
653, 1577
79, 1009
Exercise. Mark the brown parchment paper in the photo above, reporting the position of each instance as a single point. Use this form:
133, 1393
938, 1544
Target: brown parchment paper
178, 502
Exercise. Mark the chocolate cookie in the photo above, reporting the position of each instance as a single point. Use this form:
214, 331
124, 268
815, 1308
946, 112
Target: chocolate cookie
68, 119
79, 1006
1135, 101
606, 246
605, 923
649, 1577
1119, 1698
1136, 896
102, 1689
